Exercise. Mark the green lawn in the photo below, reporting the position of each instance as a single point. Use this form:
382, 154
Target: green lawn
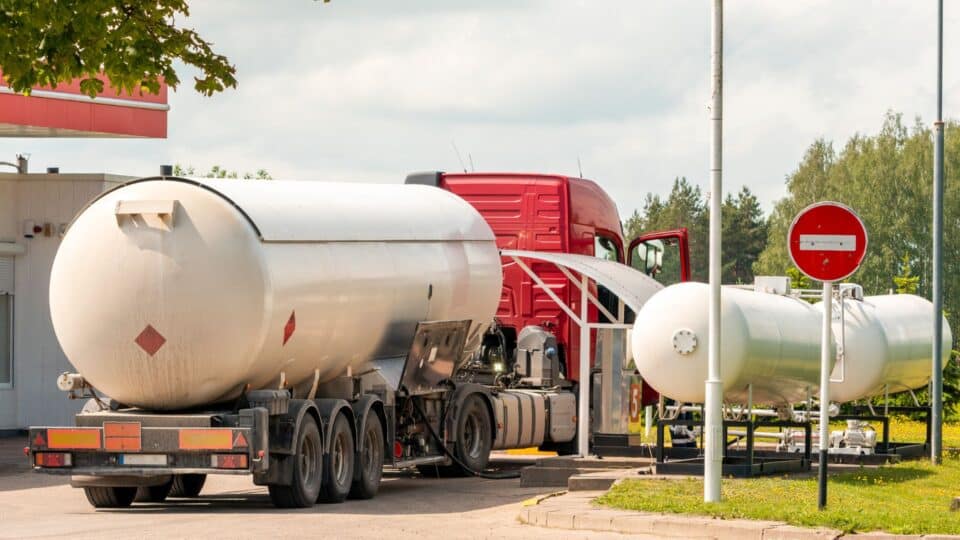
907, 498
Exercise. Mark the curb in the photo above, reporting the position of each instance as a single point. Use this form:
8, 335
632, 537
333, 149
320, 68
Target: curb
574, 511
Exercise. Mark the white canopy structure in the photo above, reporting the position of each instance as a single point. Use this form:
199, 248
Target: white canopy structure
632, 287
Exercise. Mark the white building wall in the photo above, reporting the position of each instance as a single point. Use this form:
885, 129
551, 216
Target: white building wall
8, 219
52, 199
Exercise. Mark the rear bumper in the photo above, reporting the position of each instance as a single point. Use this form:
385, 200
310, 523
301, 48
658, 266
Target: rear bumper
124, 446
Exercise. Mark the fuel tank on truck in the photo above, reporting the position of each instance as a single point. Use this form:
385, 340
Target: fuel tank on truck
768, 341
887, 345
169, 293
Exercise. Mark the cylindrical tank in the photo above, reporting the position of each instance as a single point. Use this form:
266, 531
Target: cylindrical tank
171, 293
887, 342
770, 342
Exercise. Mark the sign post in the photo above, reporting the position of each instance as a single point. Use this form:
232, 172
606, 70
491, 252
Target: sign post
827, 242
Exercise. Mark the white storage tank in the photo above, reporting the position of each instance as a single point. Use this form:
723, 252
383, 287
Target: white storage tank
173, 293
887, 345
769, 341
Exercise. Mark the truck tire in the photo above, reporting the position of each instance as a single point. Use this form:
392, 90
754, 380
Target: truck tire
474, 438
307, 470
154, 494
370, 465
110, 497
187, 485
338, 469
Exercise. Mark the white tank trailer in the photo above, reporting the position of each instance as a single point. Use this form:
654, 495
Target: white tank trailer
772, 343
169, 294
305, 333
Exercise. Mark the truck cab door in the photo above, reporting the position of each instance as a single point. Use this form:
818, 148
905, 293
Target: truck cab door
662, 255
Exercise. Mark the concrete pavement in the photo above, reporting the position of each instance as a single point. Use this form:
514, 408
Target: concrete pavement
42, 506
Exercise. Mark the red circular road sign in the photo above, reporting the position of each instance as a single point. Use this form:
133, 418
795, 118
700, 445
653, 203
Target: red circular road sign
827, 241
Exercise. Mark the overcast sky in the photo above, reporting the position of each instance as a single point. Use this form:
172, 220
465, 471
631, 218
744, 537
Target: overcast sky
369, 90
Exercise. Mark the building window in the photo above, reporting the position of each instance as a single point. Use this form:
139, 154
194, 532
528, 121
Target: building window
6, 340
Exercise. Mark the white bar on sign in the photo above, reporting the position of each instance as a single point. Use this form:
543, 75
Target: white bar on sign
144, 459
828, 242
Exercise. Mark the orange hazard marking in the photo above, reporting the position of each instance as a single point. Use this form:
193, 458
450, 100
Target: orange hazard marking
131, 444
121, 429
121, 436
206, 439
81, 438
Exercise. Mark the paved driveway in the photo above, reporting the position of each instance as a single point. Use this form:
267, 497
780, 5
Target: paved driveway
35, 506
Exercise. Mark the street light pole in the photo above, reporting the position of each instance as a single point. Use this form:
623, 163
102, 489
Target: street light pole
936, 393
713, 421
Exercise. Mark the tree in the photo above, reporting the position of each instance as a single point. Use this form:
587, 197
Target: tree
217, 171
887, 179
744, 230
798, 280
134, 44
743, 238
684, 207
906, 282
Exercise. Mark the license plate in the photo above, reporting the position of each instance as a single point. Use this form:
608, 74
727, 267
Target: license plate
143, 459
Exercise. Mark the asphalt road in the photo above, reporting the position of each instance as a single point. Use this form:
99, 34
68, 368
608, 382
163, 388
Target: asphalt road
408, 506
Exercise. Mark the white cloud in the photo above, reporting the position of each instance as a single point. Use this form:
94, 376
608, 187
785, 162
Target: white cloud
370, 91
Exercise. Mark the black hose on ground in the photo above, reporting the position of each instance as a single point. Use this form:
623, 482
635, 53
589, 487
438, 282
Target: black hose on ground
502, 475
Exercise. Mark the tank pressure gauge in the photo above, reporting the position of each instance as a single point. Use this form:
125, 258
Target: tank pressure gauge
684, 341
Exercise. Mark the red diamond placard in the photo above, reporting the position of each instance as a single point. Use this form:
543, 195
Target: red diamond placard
150, 340
289, 327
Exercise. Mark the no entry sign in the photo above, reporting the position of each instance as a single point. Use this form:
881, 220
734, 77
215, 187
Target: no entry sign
827, 241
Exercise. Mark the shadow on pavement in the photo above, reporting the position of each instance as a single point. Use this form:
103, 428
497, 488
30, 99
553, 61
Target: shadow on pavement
404, 494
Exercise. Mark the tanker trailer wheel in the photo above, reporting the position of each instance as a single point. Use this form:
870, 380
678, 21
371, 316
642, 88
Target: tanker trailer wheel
154, 494
307, 470
371, 459
338, 467
474, 438
110, 497
187, 485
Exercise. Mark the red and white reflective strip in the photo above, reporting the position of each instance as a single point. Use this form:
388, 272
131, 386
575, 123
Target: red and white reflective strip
53, 459
228, 461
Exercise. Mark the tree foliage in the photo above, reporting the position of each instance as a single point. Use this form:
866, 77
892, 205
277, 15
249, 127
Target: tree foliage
135, 44
887, 179
744, 236
906, 282
217, 171
744, 232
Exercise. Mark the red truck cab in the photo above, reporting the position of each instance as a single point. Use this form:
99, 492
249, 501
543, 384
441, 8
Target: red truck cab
554, 213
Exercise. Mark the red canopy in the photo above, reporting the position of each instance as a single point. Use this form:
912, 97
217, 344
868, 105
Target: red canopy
65, 112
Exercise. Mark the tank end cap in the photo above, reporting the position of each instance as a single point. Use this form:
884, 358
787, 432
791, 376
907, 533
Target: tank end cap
685, 341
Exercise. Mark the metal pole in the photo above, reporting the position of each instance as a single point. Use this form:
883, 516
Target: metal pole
936, 394
647, 421
583, 411
825, 335
713, 419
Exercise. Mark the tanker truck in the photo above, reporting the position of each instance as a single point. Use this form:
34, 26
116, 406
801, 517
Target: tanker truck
304, 333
